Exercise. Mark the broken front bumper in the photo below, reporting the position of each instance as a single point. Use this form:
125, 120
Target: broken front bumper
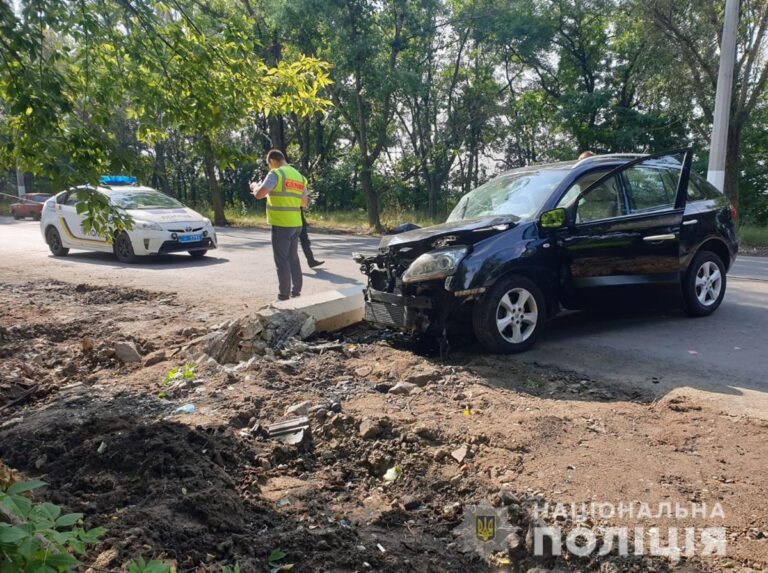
410, 313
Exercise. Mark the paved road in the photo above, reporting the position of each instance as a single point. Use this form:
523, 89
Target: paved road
653, 346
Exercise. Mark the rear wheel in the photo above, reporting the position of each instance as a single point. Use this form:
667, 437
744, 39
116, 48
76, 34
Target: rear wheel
53, 239
36, 217
510, 316
123, 248
704, 284
197, 254
16, 215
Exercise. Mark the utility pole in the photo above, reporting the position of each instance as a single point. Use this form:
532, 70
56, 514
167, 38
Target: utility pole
20, 181
717, 147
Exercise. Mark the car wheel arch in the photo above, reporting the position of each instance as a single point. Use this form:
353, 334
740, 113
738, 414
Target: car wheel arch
539, 276
715, 245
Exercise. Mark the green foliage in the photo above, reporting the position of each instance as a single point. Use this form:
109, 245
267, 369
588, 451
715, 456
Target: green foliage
153, 566
37, 536
186, 372
101, 216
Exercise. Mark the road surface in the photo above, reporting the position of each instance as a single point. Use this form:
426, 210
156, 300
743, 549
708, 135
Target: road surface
655, 347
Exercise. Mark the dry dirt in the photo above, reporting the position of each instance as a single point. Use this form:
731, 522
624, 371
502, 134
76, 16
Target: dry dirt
209, 488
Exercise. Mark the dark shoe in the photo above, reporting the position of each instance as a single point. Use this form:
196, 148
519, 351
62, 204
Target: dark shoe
295, 294
316, 263
281, 297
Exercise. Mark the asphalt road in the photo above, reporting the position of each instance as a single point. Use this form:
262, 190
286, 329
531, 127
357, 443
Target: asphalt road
641, 343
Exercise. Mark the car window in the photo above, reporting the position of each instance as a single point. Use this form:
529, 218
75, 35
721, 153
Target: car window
71, 199
700, 189
581, 183
651, 187
601, 202
144, 199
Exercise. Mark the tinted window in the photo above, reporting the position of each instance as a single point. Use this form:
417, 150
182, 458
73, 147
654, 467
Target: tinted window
700, 189
581, 184
601, 202
651, 187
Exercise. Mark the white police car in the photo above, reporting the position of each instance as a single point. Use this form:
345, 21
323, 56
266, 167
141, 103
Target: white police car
160, 223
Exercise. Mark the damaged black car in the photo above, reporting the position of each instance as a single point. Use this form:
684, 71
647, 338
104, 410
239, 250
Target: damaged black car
531, 241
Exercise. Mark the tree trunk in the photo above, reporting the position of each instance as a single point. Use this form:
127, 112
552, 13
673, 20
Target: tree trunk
209, 164
732, 150
371, 197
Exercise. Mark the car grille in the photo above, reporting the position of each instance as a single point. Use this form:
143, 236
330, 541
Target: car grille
385, 314
195, 230
175, 246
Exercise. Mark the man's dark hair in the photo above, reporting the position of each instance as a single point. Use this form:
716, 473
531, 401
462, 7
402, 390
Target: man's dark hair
275, 155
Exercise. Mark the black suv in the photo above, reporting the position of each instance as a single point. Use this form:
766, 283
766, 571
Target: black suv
530, 240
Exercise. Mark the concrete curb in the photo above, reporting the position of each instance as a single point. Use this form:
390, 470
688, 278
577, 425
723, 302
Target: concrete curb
332, 310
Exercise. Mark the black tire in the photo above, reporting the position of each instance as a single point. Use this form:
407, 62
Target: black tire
704, 298
53, 239
486, 313
123, 248
16, 216
36, 217
197, 254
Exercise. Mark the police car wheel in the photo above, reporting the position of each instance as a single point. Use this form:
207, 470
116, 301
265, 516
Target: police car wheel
53, 239
123, 248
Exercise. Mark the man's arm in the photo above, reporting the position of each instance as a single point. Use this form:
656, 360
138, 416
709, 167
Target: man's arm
262, 190
305, 197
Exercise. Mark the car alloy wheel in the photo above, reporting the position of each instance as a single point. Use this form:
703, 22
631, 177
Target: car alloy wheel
517, 315
509, 317
709, 283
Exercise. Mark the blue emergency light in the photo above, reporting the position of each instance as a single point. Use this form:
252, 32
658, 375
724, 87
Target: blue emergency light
116, 180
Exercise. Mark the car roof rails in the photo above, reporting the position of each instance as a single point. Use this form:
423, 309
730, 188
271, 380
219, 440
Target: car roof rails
592, 158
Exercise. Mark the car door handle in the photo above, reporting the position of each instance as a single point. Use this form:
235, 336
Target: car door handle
690, 222
657, 238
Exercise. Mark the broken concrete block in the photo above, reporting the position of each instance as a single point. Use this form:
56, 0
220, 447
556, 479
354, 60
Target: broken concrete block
402, 388
154, 358
424, 376
126, 352
300, 409
460, 453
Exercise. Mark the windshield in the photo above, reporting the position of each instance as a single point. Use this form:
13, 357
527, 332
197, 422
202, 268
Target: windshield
144, 199
518, 193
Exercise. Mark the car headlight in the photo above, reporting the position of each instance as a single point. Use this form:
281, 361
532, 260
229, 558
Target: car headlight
435, 265
146, 225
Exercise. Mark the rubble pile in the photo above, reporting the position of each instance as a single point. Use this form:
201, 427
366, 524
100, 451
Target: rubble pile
269, 330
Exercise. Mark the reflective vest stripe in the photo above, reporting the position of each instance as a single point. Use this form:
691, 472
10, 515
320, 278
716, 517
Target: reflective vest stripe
285, 209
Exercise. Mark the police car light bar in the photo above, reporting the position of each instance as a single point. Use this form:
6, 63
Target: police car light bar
117, 180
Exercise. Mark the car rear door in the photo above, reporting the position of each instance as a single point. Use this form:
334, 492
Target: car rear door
72, 223
626, 225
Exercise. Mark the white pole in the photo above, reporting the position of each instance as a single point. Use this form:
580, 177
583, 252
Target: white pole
20, 181
716, 171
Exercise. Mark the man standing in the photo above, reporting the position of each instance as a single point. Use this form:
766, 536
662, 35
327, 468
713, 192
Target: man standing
286, 192
306, 245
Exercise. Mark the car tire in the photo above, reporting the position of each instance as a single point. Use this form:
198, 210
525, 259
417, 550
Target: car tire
36, 217
16, 216
123, 248
510, 316
704, 284
197, 254
53, 239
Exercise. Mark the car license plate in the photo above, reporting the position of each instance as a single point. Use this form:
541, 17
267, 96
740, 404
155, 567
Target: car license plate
190, 238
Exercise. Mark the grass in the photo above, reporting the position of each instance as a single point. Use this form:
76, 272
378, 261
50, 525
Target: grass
753, 236
355, 221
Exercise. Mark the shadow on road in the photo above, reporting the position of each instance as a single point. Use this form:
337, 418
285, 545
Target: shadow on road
160, 262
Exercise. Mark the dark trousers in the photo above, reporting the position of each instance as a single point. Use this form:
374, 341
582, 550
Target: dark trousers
285, 247
306, 244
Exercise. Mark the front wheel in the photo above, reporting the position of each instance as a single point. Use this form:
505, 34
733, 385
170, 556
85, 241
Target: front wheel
16, 216
510, 316
197, 254
53, 239
704, 284
123, 248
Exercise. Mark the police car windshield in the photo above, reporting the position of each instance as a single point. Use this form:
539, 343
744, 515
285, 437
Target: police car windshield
144, 199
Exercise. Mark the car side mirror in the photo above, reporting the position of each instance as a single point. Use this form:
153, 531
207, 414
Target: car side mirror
554, 219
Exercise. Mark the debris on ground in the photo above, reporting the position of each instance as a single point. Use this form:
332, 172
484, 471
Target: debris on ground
313, 453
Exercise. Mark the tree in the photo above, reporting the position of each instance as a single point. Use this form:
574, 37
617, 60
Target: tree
694, 28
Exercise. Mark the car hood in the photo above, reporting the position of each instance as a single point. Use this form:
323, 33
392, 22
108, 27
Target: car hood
458, 228
177, 215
